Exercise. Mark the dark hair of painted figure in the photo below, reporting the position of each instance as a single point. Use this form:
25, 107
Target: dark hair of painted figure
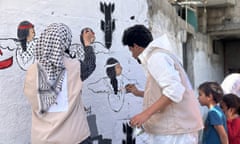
87, 29
111, 73
25, 33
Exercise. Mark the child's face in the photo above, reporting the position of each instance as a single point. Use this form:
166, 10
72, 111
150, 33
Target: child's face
202, 98
31, 34
118, 69
229, 112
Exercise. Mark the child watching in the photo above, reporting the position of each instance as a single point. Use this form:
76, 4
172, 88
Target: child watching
215, 131
231, 107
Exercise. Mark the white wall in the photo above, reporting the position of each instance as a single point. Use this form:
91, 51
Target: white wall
208, 66
14, 109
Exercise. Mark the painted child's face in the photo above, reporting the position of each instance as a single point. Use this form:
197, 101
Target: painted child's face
118, 69
202, 98
31, 34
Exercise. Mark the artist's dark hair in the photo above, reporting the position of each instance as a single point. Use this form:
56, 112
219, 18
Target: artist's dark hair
111, 73
212, 88
137, 34
232, 101
23, 32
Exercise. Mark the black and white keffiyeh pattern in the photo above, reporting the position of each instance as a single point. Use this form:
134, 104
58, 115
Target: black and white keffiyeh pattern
29, 52
49, 53
47, 93
50, 48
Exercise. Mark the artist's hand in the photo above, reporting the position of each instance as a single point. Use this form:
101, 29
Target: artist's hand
131, 88
134, 90
88, 36
139, 119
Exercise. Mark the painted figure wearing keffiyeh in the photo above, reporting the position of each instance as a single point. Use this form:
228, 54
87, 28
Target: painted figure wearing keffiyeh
53, 87
25, 44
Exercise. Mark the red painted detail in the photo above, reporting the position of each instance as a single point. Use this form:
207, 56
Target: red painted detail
6, 63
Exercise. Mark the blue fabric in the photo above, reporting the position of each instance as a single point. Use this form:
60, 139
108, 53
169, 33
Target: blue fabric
215, 117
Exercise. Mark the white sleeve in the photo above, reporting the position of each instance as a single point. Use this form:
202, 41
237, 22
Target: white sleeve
161, 67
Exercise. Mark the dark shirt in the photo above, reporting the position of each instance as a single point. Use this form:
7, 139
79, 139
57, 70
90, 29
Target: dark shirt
88, 65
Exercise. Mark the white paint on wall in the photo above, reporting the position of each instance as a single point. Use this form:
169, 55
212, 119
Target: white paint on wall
14, 108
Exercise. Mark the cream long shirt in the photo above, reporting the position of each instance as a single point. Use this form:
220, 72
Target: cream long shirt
166, 76
161, 67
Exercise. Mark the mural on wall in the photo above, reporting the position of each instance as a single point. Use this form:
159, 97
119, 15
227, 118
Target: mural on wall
23, 58
22, 51
113, 85
128, 131
23, 46
92, 122
108, 25
5, 62
77, 50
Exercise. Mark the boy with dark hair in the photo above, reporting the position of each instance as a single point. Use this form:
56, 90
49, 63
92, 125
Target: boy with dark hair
171, 111
215, 131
